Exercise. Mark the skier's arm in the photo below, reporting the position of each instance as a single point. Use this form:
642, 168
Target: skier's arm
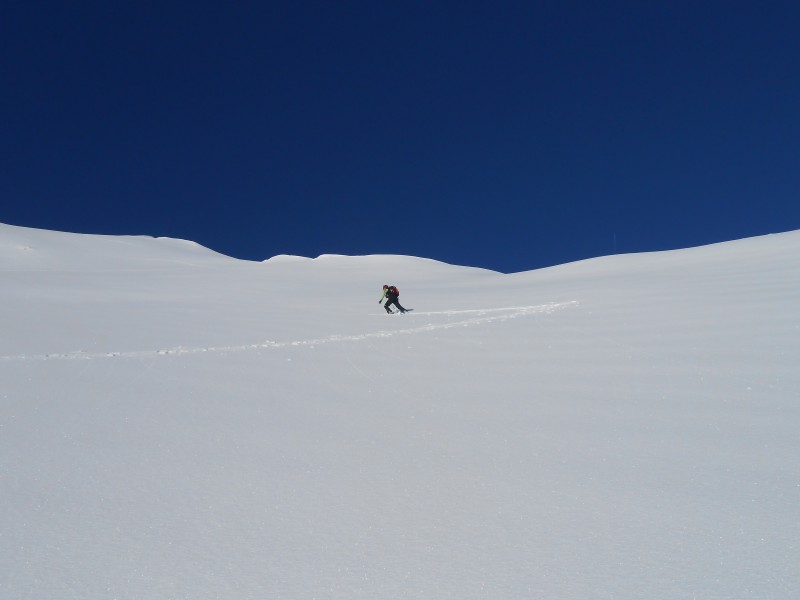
383, 295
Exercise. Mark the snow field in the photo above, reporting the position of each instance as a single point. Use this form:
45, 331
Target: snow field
176, 424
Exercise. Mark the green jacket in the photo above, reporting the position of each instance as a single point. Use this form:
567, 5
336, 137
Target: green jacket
385, 293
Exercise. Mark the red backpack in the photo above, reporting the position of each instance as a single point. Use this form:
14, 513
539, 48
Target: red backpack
393, 290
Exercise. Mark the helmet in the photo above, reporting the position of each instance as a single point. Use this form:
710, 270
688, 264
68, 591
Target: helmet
386, 287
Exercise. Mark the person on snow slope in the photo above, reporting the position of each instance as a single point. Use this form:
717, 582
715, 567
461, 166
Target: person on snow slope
391, 293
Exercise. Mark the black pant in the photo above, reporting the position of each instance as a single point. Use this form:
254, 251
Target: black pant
392, 299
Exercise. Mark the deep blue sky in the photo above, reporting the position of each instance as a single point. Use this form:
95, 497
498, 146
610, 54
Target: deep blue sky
507, 135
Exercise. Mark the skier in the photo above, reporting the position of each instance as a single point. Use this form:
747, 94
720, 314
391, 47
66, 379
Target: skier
391, 294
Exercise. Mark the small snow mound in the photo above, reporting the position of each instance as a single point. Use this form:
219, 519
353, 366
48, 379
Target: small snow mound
176, 241
286, 258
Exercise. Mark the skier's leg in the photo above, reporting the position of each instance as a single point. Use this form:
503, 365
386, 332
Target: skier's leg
386, 306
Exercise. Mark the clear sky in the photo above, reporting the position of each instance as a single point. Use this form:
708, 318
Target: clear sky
506, 135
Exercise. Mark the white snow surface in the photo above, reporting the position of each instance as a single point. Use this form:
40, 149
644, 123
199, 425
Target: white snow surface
177, 424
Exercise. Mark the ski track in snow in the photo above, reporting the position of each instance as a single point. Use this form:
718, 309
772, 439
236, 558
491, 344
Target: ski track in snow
482, 316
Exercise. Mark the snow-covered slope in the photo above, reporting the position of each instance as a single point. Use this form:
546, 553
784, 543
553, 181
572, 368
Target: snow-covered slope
178, 424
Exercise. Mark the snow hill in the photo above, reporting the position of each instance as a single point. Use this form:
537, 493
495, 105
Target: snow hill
177, 424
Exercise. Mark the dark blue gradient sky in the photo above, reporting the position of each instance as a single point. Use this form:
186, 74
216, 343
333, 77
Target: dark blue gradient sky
506, 135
